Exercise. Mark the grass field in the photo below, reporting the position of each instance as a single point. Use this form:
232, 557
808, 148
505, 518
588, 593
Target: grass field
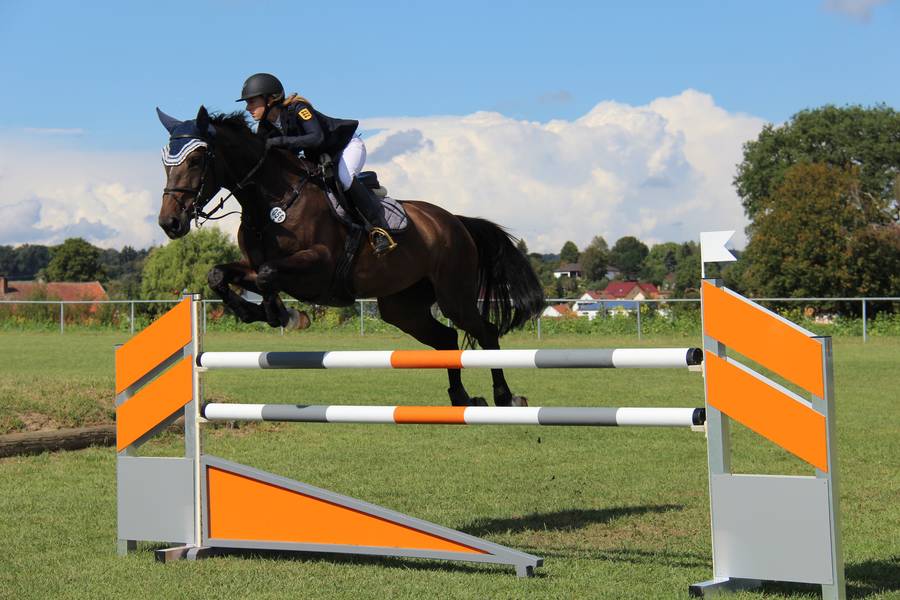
616, 513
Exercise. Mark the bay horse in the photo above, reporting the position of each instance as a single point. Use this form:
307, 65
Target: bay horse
453, 260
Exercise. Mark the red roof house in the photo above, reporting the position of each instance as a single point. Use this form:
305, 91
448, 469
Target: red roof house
52, 290
630, 290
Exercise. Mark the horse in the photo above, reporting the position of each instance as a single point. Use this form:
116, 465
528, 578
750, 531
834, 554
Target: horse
469, 266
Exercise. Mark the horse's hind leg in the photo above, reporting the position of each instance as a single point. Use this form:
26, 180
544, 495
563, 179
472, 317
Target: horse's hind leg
466, 316
410, 311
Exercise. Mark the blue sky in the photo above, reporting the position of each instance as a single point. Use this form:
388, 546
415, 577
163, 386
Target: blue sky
85, 77
101, 67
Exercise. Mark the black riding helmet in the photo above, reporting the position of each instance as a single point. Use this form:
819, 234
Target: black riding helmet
261, 84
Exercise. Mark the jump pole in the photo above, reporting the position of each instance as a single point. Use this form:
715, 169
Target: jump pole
458, 415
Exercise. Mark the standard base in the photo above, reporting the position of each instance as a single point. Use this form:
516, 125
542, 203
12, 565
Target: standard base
722, 585
188, 552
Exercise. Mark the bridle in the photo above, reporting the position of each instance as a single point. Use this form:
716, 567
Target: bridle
197, 192
196, 212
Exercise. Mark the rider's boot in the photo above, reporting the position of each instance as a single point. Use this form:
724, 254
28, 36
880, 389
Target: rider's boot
370, 208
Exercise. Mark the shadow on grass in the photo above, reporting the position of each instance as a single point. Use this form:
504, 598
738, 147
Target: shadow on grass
681, 560
564, 520
872, 577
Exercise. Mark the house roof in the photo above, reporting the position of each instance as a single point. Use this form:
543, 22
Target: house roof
592, 294
622, 289
56, 290
562, 309
568, 268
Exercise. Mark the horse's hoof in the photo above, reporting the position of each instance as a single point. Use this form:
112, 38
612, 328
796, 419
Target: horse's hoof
297, 319
519, 401
478, 401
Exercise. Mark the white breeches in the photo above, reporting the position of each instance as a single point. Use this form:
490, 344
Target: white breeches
352, 160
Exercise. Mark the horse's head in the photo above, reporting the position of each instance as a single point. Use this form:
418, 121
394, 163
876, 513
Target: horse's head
191, 174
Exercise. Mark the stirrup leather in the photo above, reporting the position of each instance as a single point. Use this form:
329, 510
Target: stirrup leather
376, 231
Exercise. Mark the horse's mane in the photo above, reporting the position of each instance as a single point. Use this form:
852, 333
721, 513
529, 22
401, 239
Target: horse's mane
235, 120
239, 123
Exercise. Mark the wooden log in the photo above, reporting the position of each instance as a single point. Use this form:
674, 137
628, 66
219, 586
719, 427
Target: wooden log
35, 442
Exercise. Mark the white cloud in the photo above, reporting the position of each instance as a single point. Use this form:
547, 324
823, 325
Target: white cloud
48, 194
659, 172
858, 10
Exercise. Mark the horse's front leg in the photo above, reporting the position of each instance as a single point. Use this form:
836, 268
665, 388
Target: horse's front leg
241, 274
273, 276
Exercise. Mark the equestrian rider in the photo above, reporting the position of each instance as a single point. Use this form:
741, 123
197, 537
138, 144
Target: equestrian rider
298, 126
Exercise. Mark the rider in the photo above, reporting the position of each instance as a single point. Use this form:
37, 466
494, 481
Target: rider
298, 126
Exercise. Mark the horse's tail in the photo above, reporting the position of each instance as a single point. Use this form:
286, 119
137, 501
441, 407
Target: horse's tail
511, 292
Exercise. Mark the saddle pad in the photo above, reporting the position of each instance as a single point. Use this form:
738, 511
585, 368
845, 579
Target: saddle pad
394, 213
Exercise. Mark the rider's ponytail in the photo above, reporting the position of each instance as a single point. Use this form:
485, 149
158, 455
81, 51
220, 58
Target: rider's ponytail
294, 97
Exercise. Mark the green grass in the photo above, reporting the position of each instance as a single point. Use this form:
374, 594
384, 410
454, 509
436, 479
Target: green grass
616, 513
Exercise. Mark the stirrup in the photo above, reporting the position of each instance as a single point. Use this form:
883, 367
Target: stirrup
373, 235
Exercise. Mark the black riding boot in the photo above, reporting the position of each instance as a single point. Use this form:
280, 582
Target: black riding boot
369, 206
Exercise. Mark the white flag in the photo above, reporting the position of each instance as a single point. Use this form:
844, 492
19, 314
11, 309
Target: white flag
712, 246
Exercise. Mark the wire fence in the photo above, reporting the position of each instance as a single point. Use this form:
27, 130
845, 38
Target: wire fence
638, 310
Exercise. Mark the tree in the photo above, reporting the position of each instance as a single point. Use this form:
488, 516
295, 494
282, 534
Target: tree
181, 265
874, 261
815, 235
595, 259
687, 272
74, 260
627, 255
23, 262
837, 136
661, 261
569, 253
522, 246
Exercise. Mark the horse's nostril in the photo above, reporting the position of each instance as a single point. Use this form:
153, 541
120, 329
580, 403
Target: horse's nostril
168, 223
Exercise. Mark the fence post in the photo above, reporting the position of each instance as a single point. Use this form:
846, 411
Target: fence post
362, 327
205, 307
639, 318
132, 317
864, 319
539, 327
62, 318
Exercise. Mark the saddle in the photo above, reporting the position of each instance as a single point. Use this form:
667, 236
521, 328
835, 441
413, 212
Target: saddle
394, 215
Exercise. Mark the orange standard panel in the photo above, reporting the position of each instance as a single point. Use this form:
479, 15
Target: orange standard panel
762, 337
769, 412
243, 508
426, 359
163, 338
444, 415
154, 403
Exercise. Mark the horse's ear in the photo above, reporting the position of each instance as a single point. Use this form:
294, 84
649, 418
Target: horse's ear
170, 123
202, 120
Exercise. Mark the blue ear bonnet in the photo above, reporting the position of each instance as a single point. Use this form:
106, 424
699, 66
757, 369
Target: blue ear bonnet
184, 138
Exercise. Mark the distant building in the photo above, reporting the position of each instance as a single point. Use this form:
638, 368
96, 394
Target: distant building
620, 297
630, 290
52, 290
558, 310
589, 305
572, 270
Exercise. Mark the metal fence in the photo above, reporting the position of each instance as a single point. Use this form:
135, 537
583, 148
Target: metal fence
605, 307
